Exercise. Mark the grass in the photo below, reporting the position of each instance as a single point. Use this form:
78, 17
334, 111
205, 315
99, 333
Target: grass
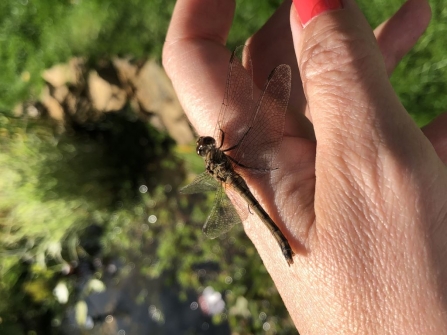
420, 78
35, 35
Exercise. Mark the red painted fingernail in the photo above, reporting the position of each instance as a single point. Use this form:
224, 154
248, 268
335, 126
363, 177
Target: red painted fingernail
308, 9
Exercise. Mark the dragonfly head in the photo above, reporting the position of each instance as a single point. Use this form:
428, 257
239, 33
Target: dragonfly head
205, 144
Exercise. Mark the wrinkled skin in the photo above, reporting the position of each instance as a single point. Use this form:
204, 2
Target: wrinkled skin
360, 192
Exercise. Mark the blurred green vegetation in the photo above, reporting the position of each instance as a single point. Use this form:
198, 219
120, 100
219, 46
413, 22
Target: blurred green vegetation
37, 34
420, 78
54, 187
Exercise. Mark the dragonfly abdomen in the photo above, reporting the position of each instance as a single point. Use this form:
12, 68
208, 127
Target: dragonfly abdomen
239, 184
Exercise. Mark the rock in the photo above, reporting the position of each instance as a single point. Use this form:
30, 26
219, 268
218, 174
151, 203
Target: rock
56, 75
60, 93
32, 111
53, 107
155, 94
145, 86
62, 74
105, 96
126, 71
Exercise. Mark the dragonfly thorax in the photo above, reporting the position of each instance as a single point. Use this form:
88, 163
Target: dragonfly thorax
205, 144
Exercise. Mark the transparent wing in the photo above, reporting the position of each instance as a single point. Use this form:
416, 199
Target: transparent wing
258, 148
238, 106
202, 183
223, 216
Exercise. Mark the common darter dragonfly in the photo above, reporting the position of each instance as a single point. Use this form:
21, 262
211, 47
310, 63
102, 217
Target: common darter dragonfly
247, 137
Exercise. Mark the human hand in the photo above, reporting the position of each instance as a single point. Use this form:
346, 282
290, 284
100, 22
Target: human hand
363, 206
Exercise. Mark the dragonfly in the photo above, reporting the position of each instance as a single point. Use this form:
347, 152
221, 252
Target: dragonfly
246, 140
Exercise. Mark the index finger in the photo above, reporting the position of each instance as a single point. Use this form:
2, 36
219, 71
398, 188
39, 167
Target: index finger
195, 57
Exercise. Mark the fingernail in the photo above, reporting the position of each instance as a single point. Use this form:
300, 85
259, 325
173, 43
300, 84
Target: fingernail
308, 9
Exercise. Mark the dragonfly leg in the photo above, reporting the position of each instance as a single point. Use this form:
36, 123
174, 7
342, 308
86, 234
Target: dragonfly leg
249, 167
222, 137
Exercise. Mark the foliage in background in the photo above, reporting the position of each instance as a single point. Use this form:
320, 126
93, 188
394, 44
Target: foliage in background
420, 79
35, 35
166, 228
43, 219
54, 186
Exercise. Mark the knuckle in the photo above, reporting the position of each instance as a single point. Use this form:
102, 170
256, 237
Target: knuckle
334, 55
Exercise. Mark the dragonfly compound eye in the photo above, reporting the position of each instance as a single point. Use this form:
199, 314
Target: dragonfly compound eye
208, 141
201, 151
205, 144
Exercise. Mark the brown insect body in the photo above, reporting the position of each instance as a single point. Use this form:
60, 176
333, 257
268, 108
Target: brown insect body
220, 167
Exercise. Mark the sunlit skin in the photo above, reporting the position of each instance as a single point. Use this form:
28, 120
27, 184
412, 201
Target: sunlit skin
360, 189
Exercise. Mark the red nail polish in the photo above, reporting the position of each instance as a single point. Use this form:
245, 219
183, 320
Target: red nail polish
308, 9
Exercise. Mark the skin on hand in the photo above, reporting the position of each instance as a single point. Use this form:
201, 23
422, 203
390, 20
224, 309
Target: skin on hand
360, 192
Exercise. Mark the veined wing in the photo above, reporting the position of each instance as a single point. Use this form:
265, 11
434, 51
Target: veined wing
223, 216
202, 183
238, 106
260, 145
